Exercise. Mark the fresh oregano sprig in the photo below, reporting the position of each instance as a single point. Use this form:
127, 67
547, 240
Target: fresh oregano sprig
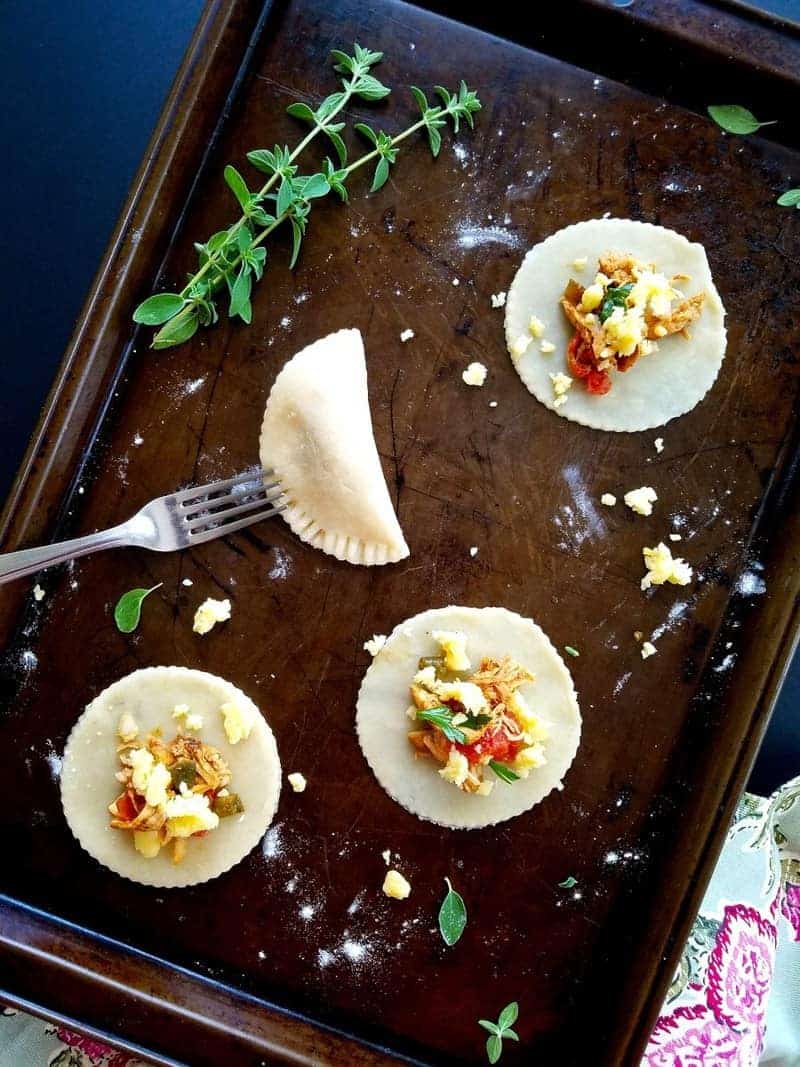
235, 257
500, 1031
791, 198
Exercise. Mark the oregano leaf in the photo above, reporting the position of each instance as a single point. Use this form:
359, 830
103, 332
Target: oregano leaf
237, 185
494, 1048
369, 88
128, 608
302, 111
240, 294
381, 174
263, 160
420, 97
159, 308
285, 197
509, 1015
297, 240
176, 331
435, 139
452, 916
791, 198
735, 119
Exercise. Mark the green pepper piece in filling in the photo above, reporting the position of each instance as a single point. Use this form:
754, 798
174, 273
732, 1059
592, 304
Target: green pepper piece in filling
184, 772
230, 804
443, 673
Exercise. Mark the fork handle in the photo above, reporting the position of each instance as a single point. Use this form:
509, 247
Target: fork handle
29, 560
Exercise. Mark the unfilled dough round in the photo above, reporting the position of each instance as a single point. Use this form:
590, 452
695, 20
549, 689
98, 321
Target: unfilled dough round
383, 726
660, 386
90, 762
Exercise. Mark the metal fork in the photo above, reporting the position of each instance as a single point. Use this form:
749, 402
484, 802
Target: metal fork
180, 520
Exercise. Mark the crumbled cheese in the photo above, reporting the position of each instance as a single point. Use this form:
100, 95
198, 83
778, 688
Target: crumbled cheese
492, 403
187, 582
652, 292
210, 613
387, 856
561, 384
659, 443
498, 300
127, 730
625, 329
149, 778
580, 262
189, 813
456, 769
473, 551
608, 499
675, 537
38, 593
592, 297
648, 649
453, 644
641, 500
375, 644
147, 843
475, 374
396, 886
191, 721
520, 346
297, 781
662, 567
546, 347
534, 729
456, 281
238, 721
536, 327
529, 758
406, 335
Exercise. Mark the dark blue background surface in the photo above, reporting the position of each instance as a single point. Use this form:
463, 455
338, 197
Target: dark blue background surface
82, 84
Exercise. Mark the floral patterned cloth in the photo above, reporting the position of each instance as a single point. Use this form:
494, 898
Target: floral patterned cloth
735, 997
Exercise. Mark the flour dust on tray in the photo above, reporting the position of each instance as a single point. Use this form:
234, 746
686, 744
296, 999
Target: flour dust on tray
170, 776
616, 324
468, 716
317, 439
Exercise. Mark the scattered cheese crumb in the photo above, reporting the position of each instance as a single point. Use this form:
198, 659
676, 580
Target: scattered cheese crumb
608, 499
498, 300
592, 297
641, 500
387, 856
190, 720
396, 886
520, 346
561, 384
475, 374
648, 649
659, 443
492, 403
127, 730
298, 782
38, 593
456, 769
662, 567
453, 644
456, 281
546, 347
473, 551
580, 262
189, 813
374, 645
210, 613
675, 537
187, 582
536, 327
406, 335
238, 721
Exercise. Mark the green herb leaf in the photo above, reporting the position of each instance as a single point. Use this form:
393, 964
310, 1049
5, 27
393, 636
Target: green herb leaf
791, 198
238, 186
504, 773
302, 111
571, 651
494, 1048
338, 144
381, 174
616, 297
343, 62
474, 722
157, 309
735, 119
240, 295
297, 239
128, 610
315, 185
452, 916
263, 160
369, 88
435, 139
568, 882
509, 1015
420, 97
510, 1035
329, 105
285, 197
442, 717
177, 330
493, 1028
366, 131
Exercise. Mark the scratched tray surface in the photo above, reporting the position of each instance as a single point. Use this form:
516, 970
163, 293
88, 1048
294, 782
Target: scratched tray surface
302, 919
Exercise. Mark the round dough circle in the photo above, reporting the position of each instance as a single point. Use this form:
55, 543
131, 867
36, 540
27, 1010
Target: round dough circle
90, 762
661, 386
383, 726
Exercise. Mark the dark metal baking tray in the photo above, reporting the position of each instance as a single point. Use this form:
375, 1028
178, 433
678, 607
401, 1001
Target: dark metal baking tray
587, 109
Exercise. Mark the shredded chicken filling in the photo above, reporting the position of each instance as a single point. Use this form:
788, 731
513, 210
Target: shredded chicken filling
623, 315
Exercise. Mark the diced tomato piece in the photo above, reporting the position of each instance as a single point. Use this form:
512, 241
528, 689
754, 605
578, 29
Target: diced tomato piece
626, 362
127, 808
495, 744
598, 382
580, 357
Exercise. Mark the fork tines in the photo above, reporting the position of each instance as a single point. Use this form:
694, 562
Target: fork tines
223, 507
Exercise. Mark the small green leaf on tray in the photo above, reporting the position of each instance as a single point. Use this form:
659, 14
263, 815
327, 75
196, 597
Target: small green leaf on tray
452, 916
571, 651
791, 198
501, 1030
735, 119
157, 309
568, 882
129, 608
504, 773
